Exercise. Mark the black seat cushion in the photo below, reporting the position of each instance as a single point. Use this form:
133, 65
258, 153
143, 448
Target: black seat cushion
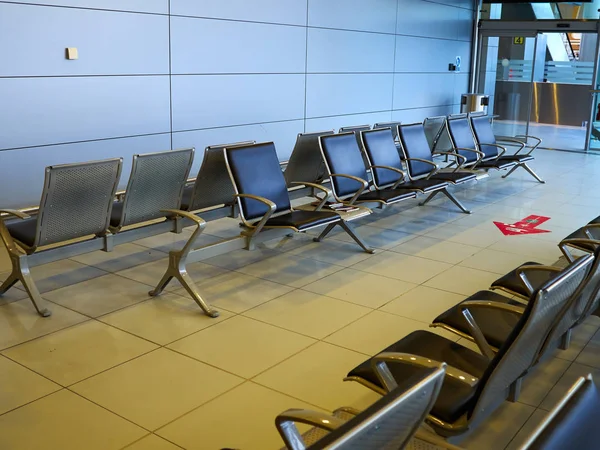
382, 151
455, 397
596, 220
512, 282
580, 234
115, 214
425, 185
498, 164
454, 177
186, 199
496, 325
387, 195
23, 230
302, 220
343, 156
518, 158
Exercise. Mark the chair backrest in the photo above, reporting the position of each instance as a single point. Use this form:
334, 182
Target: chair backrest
356, 129
213, 185
390, 422
572, 423
522, 347
76, 200
254, 169
413, 143
306, 162
392, 125
342, 155
437, 134
380, 150
156, 183
484, 134
461, 136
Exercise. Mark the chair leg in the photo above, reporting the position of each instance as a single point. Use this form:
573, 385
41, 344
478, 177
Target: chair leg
511, 170
532, 173
20, 272
325, 232
514, 390
348, 229
457, 202
429, 198
565, 340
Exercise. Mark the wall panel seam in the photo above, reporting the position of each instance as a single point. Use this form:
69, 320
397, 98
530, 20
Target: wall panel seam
166, 14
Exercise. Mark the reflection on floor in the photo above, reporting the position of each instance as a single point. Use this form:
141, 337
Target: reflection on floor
561, 137
115, 369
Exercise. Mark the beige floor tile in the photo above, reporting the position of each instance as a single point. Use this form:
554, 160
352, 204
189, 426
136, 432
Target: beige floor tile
474, 236
316, 374
436, 249
290, 270
152, 442
541, 380
21, 386
306, 313
534, 420
19, 322
378, 330
172, 241
152, 273
462, 280
565, 382
359, 287
5, 264
533, 249
122, 257
377, 237
405, 222
13, 293
423, 303
579, 339
100, 295
250, 410
239, 258
494, 261
156, 388
499, 428
163, 319
242, 346
590, 355
58, 274
333, 252
70, 355
65, 421
403, 267
237, 292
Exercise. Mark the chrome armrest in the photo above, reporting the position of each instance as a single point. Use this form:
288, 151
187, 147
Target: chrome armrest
393, 169
457, 157
502, 148
15, 213
522, 274
431, 163
575, 241
272, 207
514, 142
527, 137
200, 225
472, 150
364, 183
379, 364
286, 425
586, 229
476, 333
8, 240
327, 191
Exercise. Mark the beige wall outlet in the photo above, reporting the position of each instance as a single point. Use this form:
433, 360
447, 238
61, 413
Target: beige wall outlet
72, 53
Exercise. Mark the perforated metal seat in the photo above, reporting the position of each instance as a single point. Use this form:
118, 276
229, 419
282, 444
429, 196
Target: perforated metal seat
488, 379
306, 162
514, 285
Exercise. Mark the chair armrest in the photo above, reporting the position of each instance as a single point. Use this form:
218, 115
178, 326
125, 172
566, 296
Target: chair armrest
431, 163
272, 207
379, 364
502, 152
574, 241
472, 150
200, 225
364, 183
15, 213
586, 229
514, 142
393, 169
316, 186
467, 306
522, 274
527, 137
310, 417
456, 156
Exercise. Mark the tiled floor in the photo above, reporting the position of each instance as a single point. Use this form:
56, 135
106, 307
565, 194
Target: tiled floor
114, 368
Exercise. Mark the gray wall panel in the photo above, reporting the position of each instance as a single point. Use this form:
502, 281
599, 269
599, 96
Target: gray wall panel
274, 11
148, 6
207, 101
63, 109
337, 122
418, 114
215, 46
283, 134
433, 90
366, 15
338, 94
30, 163
440, 53
130, 43
349, 51
422, 18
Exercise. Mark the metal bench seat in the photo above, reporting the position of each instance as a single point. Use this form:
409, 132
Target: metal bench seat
480, 382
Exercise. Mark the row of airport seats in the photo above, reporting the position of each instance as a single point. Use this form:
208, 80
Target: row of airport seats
513, 335
81, 211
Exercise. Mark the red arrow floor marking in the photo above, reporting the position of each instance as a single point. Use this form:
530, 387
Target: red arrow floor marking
528, 225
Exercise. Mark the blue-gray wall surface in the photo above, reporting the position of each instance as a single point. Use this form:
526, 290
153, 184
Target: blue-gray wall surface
160, 74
